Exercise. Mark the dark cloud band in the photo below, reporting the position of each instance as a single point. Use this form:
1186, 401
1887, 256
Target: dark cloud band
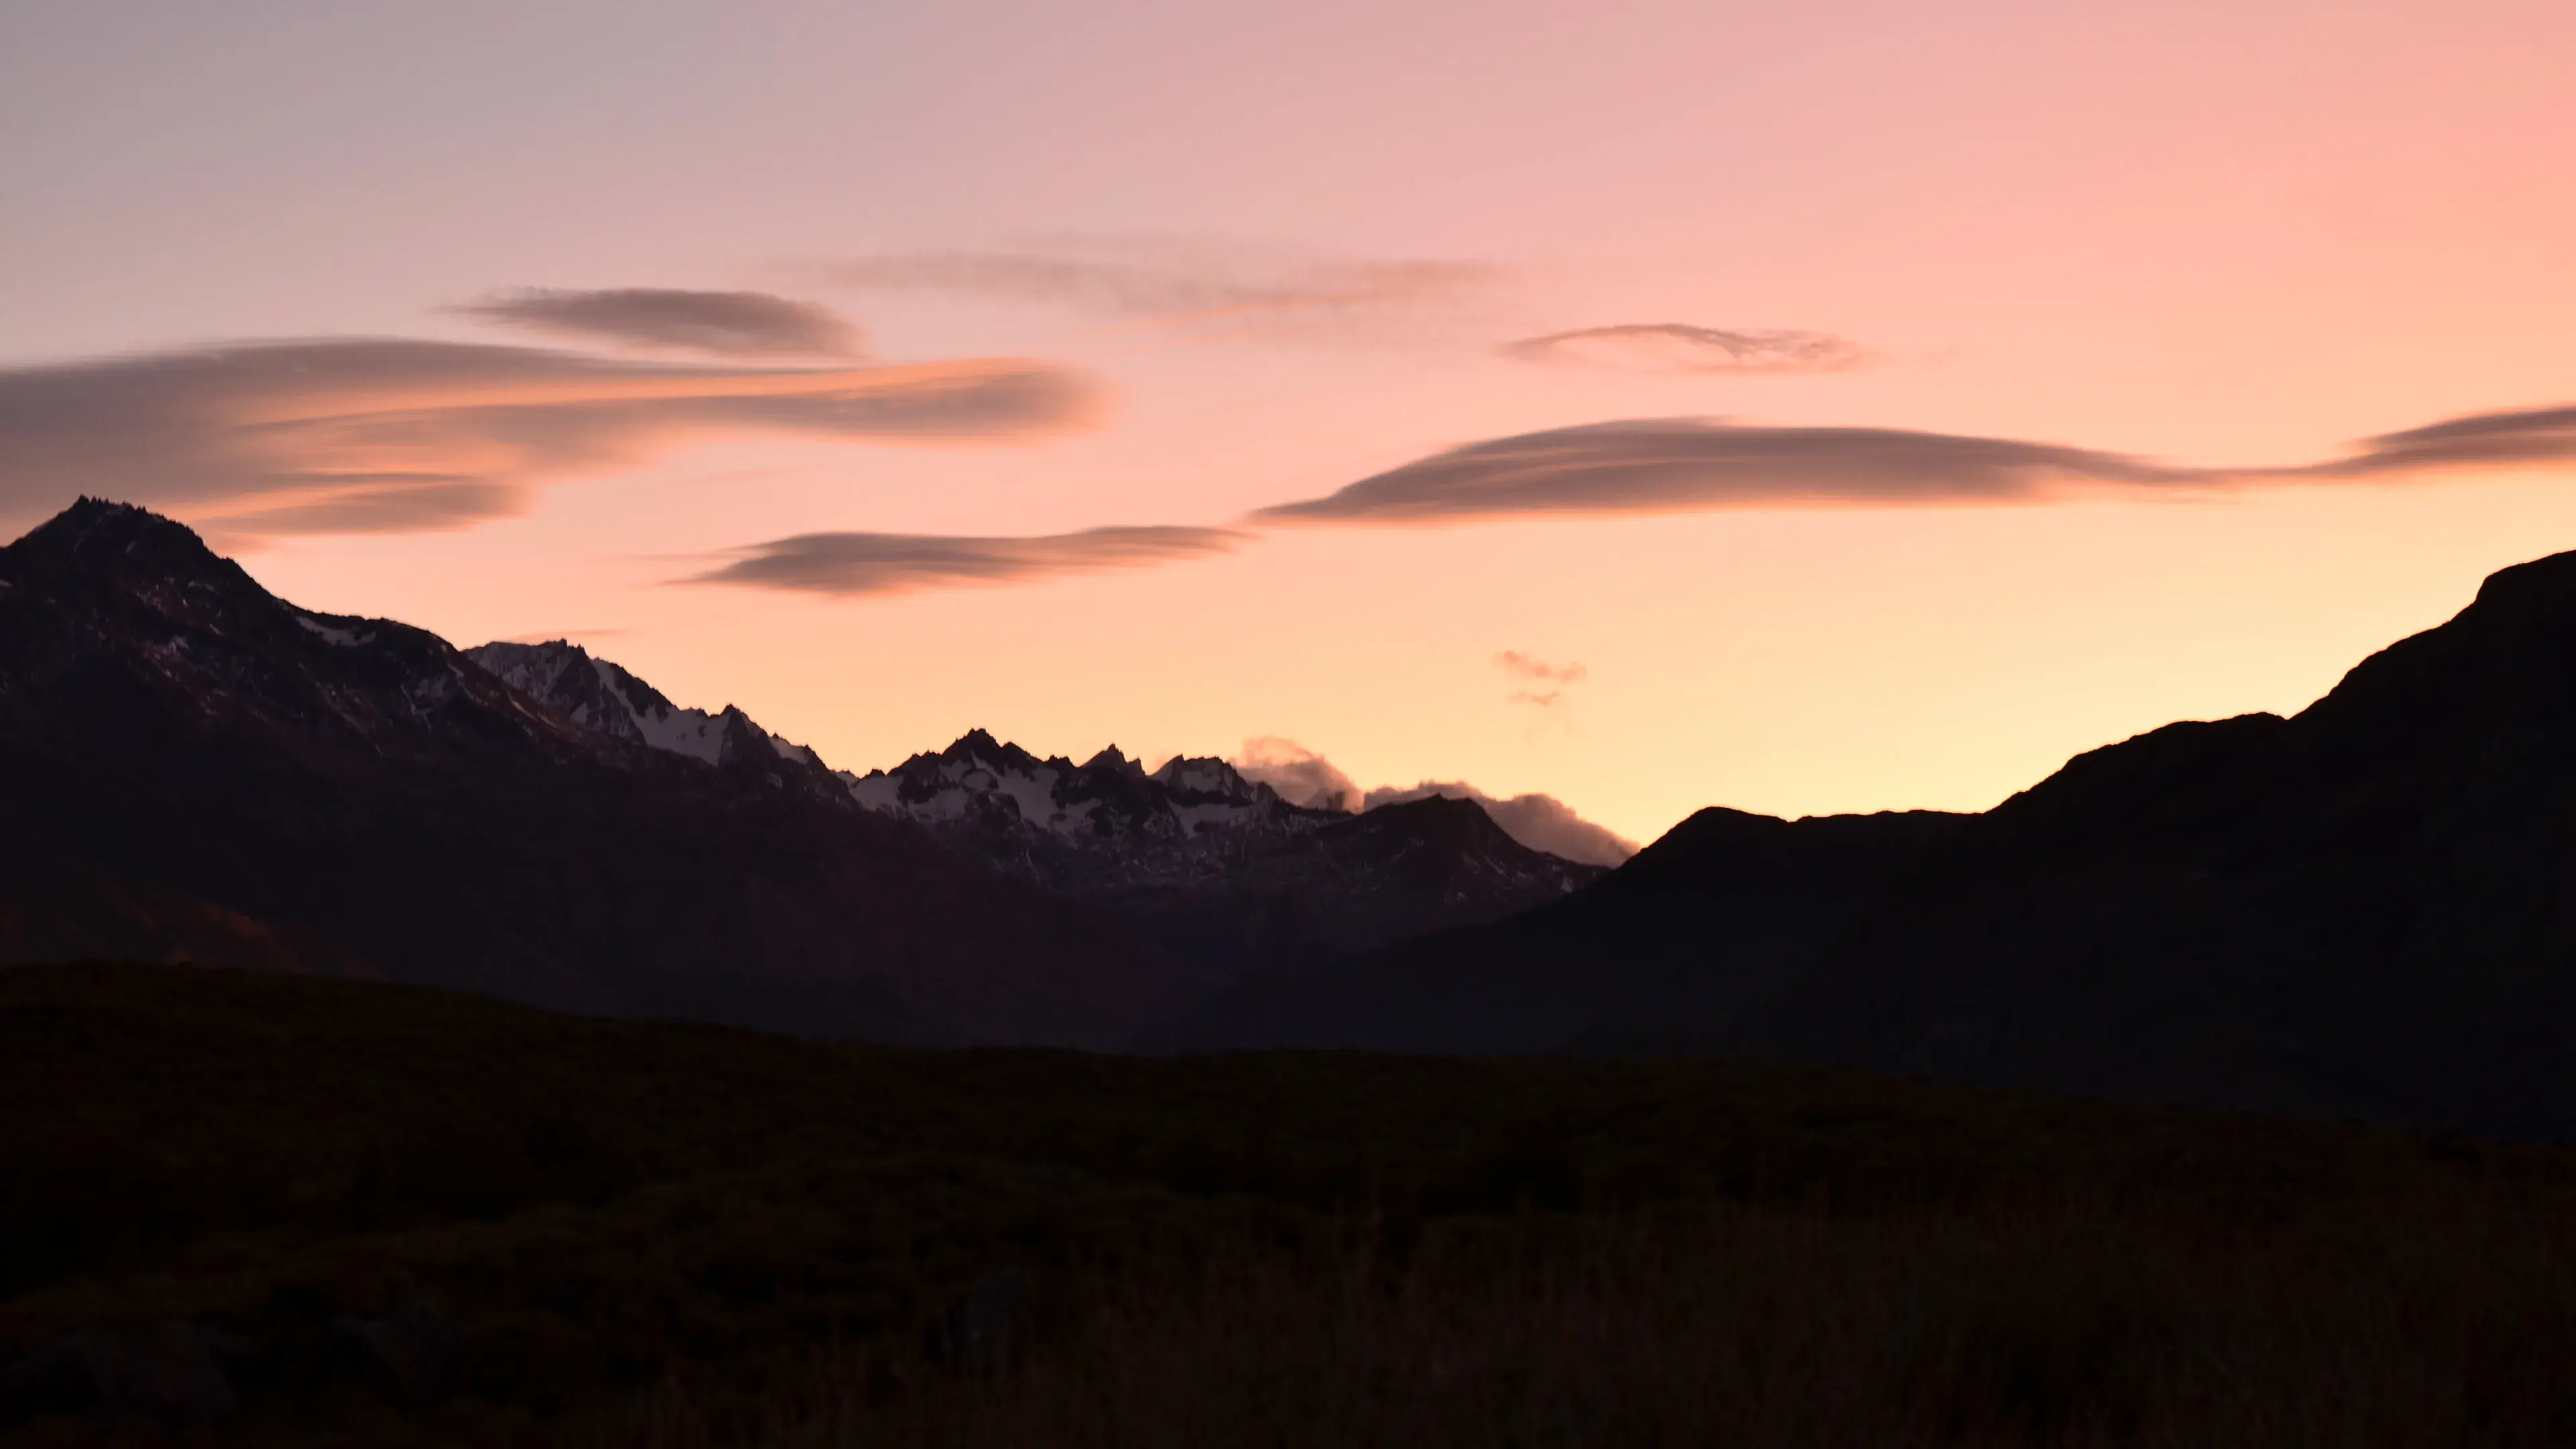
723, 324
388, 435
1671, 465
2481, 440
1676, 464
850, 564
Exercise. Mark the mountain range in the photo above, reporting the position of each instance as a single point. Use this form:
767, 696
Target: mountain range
192, 768
1212, 868
2366, 908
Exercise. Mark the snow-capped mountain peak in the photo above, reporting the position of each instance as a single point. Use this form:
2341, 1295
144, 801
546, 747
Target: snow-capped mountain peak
1210, 776
604, 698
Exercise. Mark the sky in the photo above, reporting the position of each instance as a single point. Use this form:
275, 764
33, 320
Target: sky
1803, 408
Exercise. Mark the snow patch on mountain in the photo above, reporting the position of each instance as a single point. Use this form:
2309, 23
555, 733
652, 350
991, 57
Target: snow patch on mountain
1054, 819
602, 697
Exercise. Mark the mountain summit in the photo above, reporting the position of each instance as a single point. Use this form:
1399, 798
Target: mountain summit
191, 767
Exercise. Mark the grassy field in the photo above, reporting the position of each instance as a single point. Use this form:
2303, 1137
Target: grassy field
260, 1210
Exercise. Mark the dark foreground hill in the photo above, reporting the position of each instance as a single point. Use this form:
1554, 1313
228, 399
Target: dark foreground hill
192, 768
1720, 913
2369, 907
265, 1210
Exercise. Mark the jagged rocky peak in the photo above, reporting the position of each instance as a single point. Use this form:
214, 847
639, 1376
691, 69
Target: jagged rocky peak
1218, 867
1107, 803
1113, 758
1209, 776
978, 747
606, 699
544, 663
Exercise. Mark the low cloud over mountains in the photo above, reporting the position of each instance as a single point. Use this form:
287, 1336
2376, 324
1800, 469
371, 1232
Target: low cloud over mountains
1541, 822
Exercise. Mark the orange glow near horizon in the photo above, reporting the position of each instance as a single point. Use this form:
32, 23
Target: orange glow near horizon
1185, 267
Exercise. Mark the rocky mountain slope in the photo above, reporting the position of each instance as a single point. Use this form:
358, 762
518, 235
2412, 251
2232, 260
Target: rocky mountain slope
606, 700
193, 768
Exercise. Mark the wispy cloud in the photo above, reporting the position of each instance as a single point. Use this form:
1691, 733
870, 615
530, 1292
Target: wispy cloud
722, 324
1197, 288
2512, 439
845, 565
1671, 465
1681, 347
368, 435
1541, 686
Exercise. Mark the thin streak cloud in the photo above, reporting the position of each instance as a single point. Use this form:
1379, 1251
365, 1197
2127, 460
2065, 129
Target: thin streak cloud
1541, 822
850, 565
1671, 465
375, 435
1195, 288
1679, 347
720, 324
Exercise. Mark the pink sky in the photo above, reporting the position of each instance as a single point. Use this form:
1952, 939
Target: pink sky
1117, 266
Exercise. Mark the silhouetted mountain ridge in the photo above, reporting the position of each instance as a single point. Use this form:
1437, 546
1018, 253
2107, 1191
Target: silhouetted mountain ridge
2369, 906
2366, 908
191, 767
1722, 910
